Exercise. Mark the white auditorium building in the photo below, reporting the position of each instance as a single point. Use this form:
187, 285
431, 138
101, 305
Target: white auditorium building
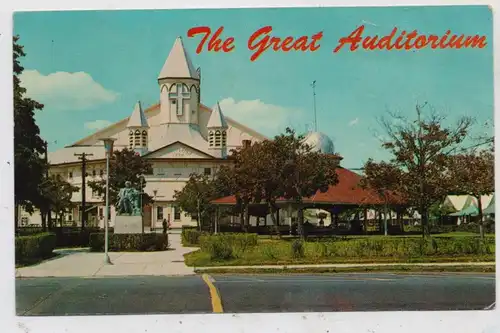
179, 136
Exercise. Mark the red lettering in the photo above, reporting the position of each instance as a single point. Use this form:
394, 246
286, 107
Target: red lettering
370, 43
442, 44
260, 46
354, 39
398, 44
433, 39
409, 41
385, 42
285, 47
409, 37
316, 38
215, 43
421, 42
260, 41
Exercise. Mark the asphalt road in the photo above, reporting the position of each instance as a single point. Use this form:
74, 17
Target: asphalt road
253, 293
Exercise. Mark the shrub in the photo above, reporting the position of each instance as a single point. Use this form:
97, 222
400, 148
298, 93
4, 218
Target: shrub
218, 246
270, 251
227, 245
297, 249
130, 242
191, 236
318, 250
32, 247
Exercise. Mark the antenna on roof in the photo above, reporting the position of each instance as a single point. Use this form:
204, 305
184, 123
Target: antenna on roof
313, 85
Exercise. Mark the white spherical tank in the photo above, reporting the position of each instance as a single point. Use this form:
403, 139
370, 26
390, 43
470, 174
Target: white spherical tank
319, 142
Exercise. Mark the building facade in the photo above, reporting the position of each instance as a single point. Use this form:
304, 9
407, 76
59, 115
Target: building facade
179, 136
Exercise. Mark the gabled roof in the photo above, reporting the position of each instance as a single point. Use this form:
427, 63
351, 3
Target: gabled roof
217, 119
178, 63
137, 119
149, 153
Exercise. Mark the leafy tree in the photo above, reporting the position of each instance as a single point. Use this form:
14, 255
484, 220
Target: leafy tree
385, 179
420, 149
29, 165
124, 165
473, 174
304, 172
57, 192
195, 197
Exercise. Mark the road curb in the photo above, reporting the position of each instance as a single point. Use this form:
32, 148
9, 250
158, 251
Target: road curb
448, 264
346, 268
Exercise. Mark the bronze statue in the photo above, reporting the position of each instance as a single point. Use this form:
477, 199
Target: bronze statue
129, 200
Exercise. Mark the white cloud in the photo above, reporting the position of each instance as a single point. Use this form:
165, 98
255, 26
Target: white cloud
66, 91
353, 122
265, 118
96, 124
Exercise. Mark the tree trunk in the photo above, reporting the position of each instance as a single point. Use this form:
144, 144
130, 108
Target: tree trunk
300, 224
16, 217
272, 211
425, 223
480, 216
242, 218
44, 220
247, 218
199, 214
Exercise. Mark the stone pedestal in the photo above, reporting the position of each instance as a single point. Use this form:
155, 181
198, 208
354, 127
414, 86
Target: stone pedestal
125, 224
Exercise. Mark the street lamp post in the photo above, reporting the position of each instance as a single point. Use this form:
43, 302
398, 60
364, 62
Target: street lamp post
108, 146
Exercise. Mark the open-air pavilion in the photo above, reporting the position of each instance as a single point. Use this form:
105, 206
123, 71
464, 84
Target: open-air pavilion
346, 195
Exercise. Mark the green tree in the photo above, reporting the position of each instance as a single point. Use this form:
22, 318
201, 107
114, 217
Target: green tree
57, 194
305, 172
473, 174
420, 148
385, 179
195, 197
29, 165
124, 165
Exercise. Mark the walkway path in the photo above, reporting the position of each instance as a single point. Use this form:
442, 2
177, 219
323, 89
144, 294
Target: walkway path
82, 263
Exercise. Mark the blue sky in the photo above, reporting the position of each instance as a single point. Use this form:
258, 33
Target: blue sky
89, 68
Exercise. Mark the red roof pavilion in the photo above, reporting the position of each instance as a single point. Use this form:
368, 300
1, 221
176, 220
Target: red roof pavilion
348, 191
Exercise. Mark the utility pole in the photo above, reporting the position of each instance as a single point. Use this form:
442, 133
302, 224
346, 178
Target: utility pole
83, 157
48, 215
313, 85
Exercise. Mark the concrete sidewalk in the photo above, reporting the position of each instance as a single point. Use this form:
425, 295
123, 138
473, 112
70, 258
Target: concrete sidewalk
432, 264
82, 263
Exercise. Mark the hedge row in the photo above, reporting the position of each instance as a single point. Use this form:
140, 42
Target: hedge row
227, 246
467, 227
129, 242
65, 236
33, 247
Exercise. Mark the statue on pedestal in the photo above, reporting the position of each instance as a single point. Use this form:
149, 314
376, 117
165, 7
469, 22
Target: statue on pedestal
129, 201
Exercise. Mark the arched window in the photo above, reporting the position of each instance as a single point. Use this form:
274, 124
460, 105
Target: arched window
131, 139
144, 138
137, 138
224, 139
211, 138
218, 139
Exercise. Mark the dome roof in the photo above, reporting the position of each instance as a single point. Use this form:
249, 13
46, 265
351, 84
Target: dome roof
319, 142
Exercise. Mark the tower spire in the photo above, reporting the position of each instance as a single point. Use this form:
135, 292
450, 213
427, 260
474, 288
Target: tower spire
313, 85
